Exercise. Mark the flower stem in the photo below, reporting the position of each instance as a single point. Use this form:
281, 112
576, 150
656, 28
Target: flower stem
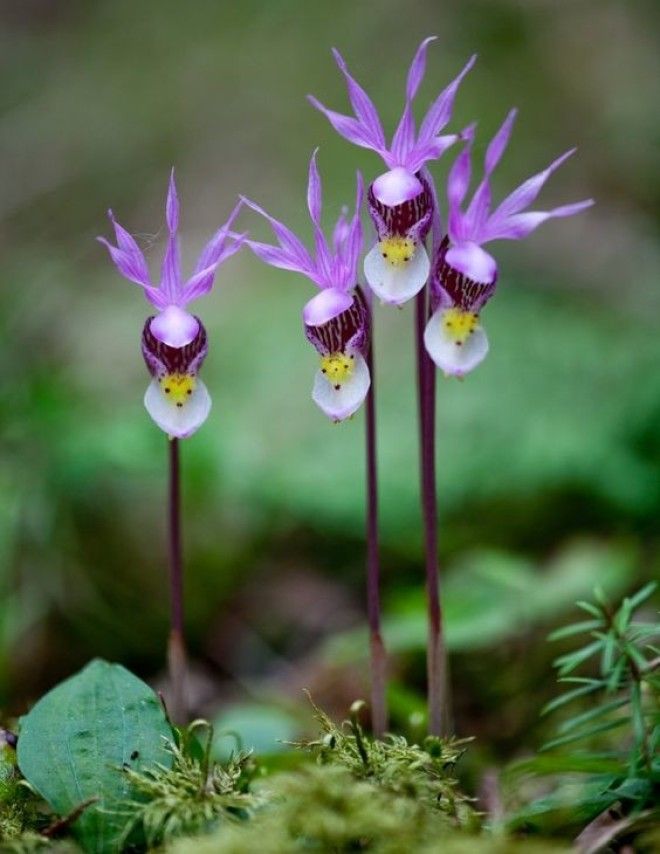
176, 651
376, 646
436, 662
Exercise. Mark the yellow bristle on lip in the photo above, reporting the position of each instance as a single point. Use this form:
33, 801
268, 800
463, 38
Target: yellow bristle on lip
178, 387
397, 251
458, 324
337, 367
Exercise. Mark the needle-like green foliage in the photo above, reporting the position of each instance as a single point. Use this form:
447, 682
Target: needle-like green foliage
605, 756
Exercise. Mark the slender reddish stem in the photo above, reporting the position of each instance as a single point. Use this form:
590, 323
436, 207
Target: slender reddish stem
437, 676
377, 648
176, 653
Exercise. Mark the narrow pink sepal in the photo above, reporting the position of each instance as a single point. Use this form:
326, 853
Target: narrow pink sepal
417, 68
497, 145
172, 206
314, 191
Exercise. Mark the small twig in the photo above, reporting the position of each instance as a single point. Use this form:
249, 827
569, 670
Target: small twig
602, 830
62, 824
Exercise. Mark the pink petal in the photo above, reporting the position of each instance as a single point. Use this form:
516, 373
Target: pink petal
198, 284
126, 264
171, 275
423, 152
274, 256
441, 110
341, 231
362, 104
417, 68
172, 206
459, 177
499, 142
404, 137
520, 225
525, 194
314, 195
291, 246
215, 248
349, 128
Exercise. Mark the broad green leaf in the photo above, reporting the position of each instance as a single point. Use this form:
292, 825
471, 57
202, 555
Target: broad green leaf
74, 742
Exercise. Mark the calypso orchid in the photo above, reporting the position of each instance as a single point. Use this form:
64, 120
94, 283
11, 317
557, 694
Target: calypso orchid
174, 342
336, 320
464, 275
401, 201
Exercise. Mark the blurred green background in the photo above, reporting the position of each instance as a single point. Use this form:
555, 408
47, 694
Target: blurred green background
548, 455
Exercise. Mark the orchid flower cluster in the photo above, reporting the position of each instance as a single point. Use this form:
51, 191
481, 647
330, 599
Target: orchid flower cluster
403, 205
415, 254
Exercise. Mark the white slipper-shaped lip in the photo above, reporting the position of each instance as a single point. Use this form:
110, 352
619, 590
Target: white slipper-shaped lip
453, 358
340, 403
178, 421
396, 284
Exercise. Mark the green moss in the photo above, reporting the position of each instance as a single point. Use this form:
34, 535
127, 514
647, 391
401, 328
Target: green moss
424, 773
193, 797
324, 808
18, 805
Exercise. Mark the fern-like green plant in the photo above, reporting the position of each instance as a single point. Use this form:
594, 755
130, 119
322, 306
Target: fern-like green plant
606, 756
